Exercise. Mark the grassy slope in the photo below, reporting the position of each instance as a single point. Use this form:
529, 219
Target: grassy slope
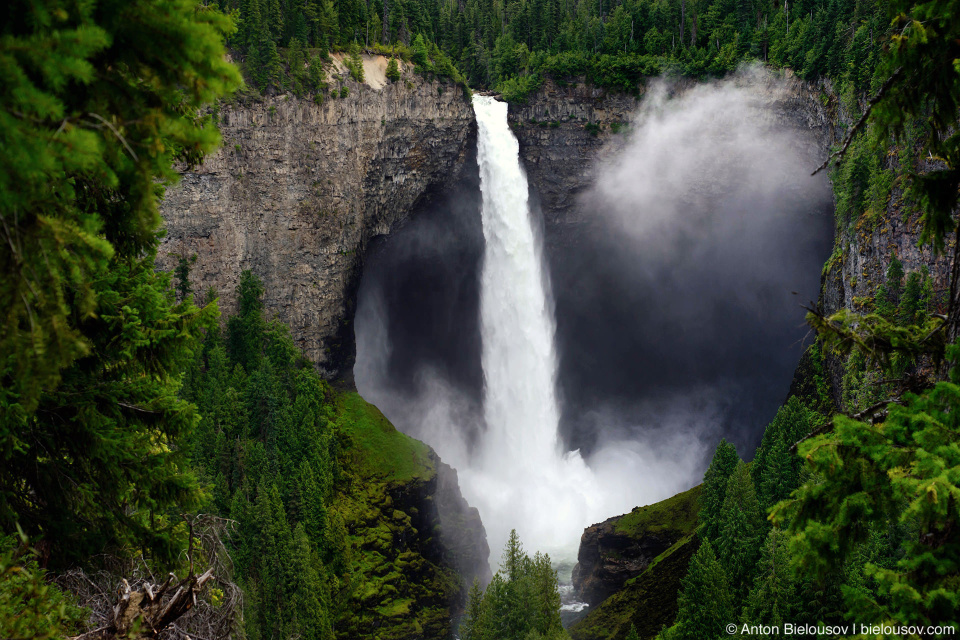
392, 590
378, 449
676, 514
648, 601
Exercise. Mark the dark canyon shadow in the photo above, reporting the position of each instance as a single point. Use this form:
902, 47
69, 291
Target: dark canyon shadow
678, 305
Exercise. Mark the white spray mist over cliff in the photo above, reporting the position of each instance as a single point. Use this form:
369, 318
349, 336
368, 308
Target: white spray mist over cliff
709, 164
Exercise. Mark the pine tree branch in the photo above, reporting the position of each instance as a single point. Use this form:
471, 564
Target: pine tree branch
869, 412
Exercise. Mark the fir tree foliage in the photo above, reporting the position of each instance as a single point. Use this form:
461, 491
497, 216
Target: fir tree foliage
100, 98
905, 471
393, 70
706, 605
522, 602
715, 480
89, 132
266, 443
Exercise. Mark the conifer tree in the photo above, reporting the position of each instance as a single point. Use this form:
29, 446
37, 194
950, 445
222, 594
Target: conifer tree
470, 626
393, 71
714, 490
80, 168
776, 468
419, 56
705, 603
742, 530
773, 597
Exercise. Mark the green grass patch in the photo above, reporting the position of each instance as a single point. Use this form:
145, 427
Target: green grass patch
379, 449
676, 514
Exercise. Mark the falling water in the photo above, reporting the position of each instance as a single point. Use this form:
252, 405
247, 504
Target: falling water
520, 477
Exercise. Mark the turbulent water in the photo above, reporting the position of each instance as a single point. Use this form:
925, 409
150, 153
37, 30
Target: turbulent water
520, 477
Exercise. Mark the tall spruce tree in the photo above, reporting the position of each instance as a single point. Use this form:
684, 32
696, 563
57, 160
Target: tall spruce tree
705, 602
725, 460
92, 342
742, 530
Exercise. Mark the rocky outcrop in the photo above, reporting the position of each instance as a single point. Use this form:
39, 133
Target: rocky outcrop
621, 548
647, 603
415, 544
298, 189
462, 536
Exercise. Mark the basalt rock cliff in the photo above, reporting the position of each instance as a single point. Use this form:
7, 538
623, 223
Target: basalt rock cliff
298, 189
415, 543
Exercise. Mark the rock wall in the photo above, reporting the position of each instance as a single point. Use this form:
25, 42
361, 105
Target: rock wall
415, 545
298, 189
620, 548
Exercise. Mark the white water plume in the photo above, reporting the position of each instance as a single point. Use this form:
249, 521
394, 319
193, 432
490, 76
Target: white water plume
706, 209
518, 475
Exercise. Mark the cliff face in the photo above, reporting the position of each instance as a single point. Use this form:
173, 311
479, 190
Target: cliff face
298, 189
415, 545
622, 547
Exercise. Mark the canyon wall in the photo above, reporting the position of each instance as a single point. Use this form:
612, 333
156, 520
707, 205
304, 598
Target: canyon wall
298, 189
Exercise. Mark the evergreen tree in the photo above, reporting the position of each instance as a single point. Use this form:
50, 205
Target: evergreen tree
521, 602
773, 596
419, 55
742, 530
393, 71
705, 603
776, 469
473, 617
867, 477
725, 460
80, 169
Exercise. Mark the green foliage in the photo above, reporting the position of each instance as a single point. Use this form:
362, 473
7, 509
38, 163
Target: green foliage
99, 464
776, 470
30, 607
715, 480
89, 132
741, 532
419, 54
181, 275
903, 470
705, 603
266, 444
920, 56
393, 70
773, 598
93, 341
521, 602
354, 62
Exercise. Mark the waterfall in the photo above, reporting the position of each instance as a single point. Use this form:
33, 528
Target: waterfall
520, 477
